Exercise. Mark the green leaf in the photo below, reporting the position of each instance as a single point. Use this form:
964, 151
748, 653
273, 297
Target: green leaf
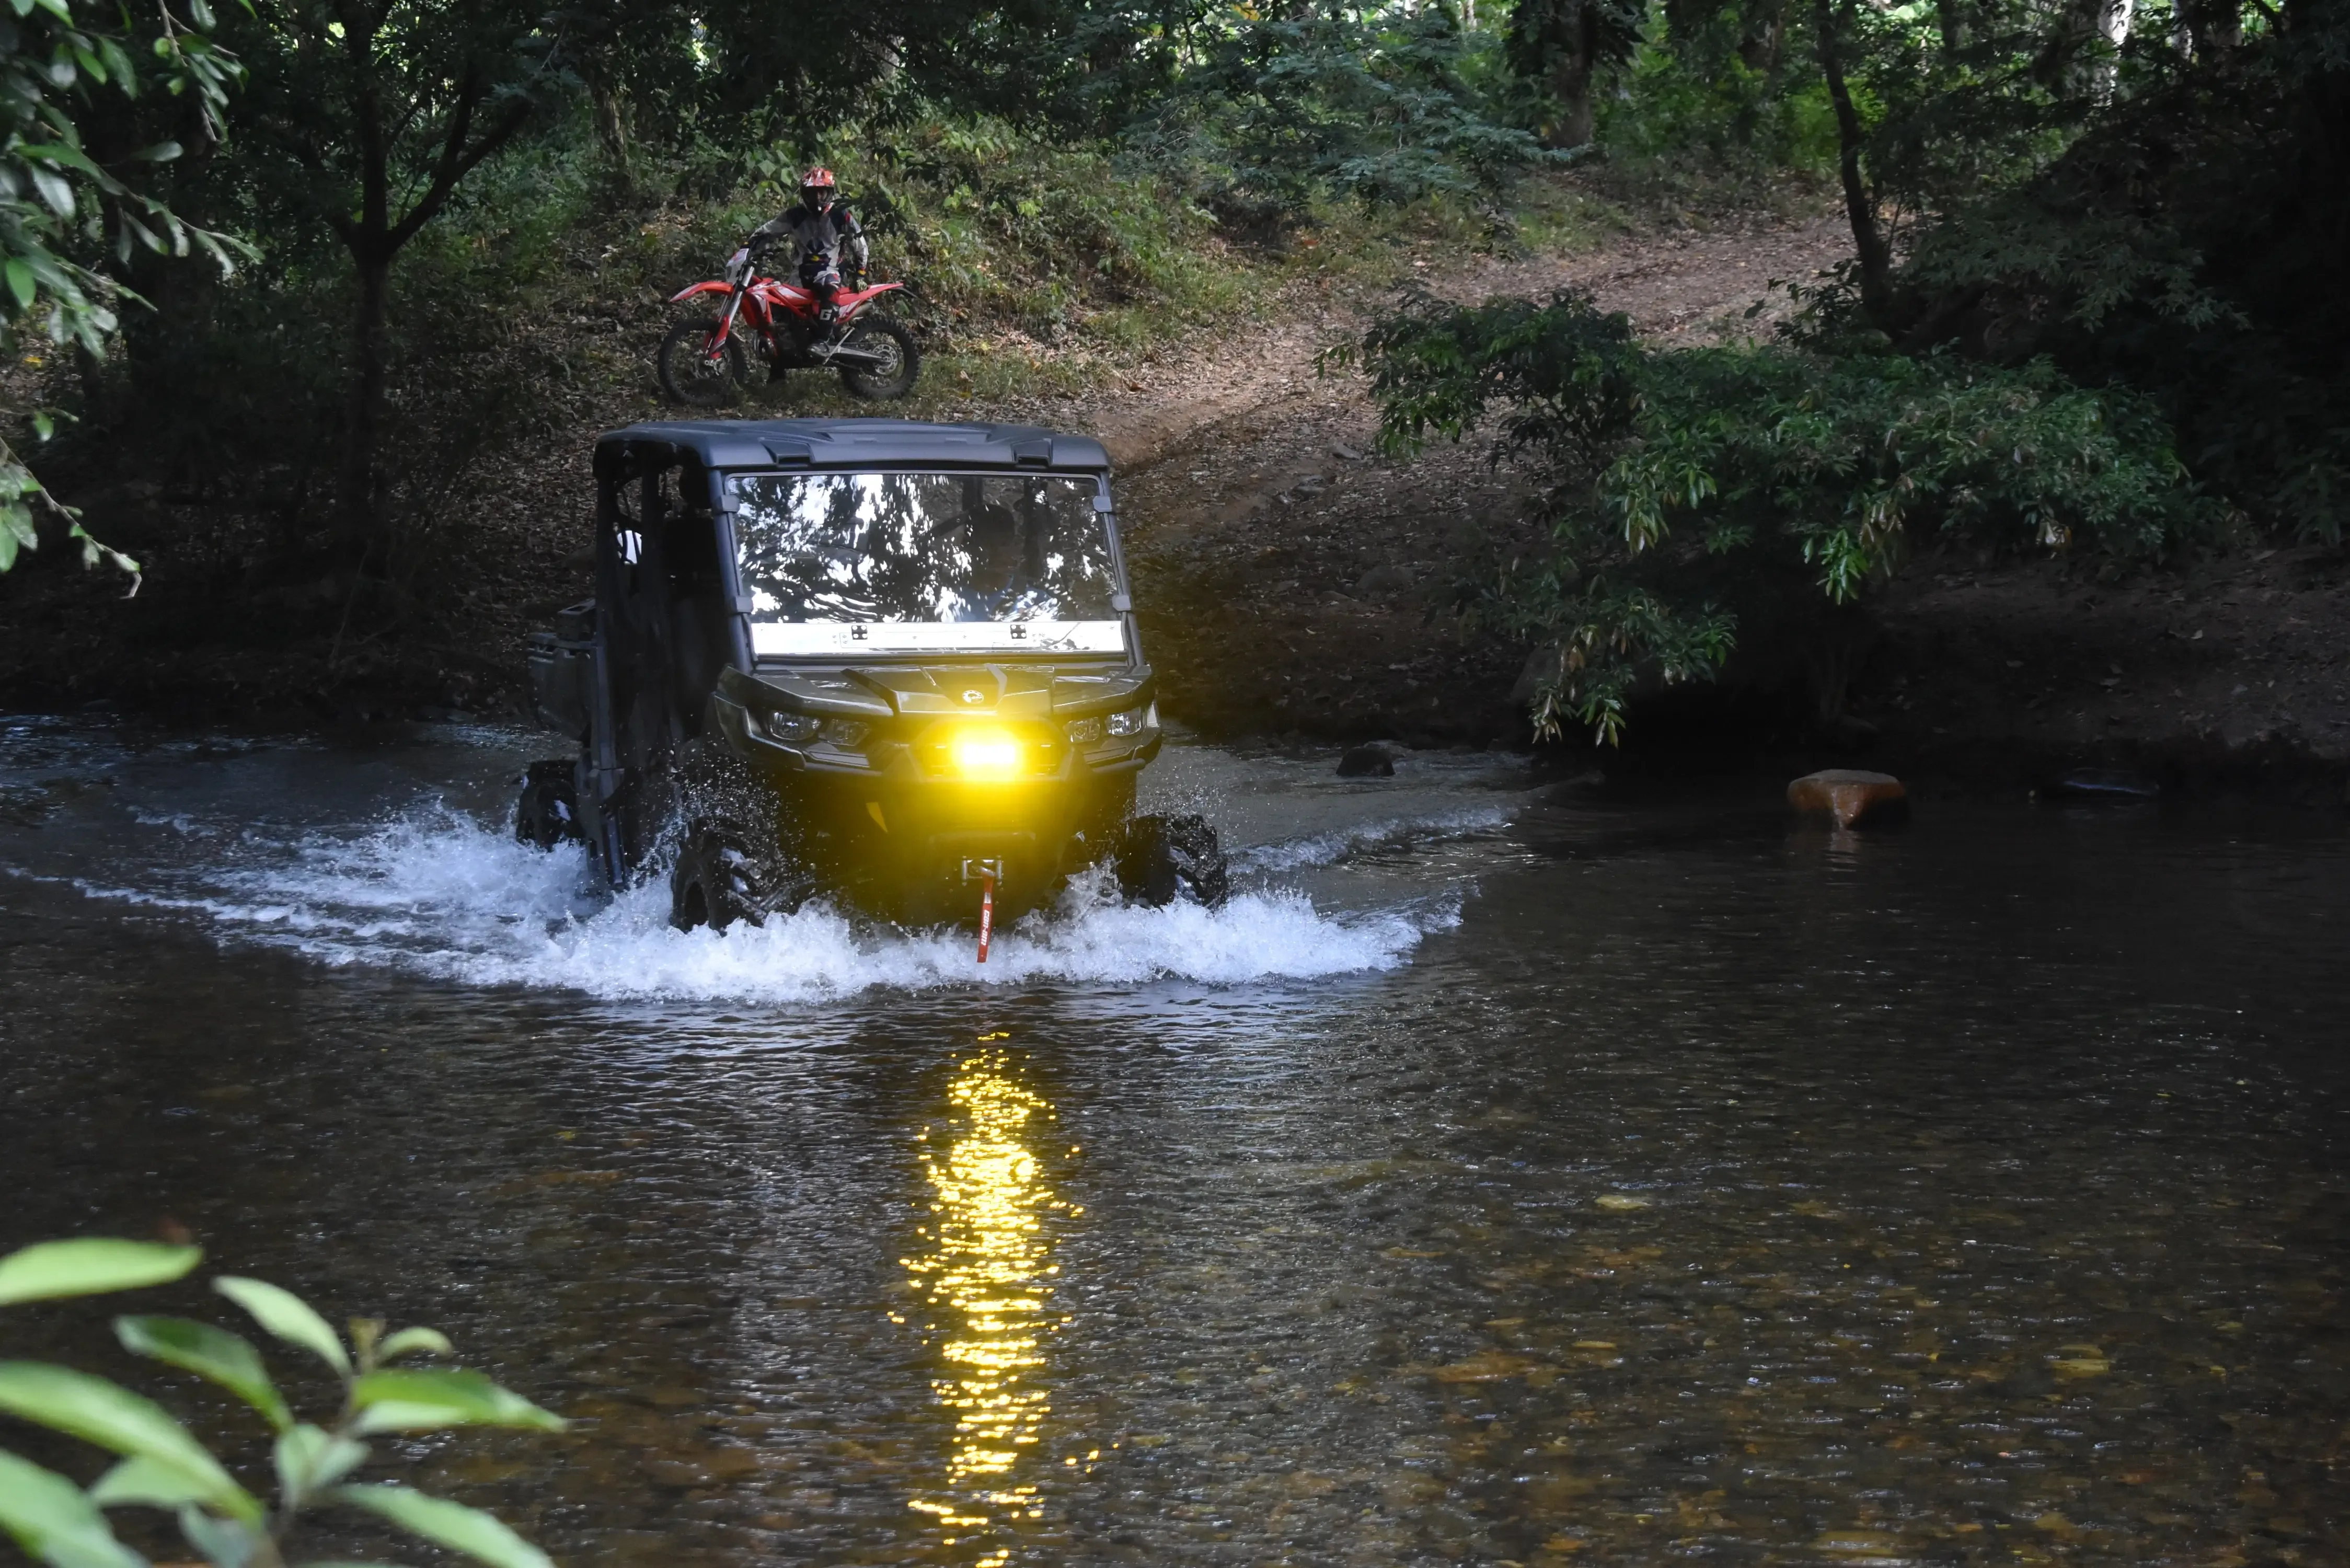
309, 1458
226, 1358
415, 1341
287, 1316
53, 191
20, 284
141, 1481
49, 1517
405, 1400
445, 1524
93, 1264
116, 1419
224, 1543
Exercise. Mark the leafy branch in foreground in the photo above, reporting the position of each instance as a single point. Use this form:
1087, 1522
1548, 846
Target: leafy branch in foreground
54, 194
59, 203
21, 490
1673, 475
161, 1464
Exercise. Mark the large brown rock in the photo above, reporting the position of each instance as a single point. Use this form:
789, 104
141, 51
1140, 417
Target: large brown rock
1849, 797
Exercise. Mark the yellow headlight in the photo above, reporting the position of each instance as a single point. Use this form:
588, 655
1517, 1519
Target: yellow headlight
986, 754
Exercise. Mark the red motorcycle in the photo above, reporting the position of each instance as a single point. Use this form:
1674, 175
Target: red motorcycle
786, 326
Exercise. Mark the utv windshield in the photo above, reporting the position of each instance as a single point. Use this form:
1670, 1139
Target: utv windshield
850, 564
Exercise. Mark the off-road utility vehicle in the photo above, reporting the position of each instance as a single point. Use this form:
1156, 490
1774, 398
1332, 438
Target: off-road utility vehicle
890, 662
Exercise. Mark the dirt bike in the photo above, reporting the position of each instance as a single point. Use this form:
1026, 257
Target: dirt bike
705, 359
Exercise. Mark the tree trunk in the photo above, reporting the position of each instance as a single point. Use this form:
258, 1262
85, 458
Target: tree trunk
2102, 27
356, 496
1953, 26
1868, 240
611, 125
1570, 78
2214, 25
1763, 31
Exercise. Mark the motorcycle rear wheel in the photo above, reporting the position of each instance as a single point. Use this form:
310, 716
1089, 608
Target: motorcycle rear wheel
690, 374
903, 362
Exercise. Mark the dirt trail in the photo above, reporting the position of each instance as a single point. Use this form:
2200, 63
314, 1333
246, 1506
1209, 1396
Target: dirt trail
1677, 287
1287, 578
1285, 575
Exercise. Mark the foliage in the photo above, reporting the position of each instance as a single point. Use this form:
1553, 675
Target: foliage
1558, 47
22, 497
1387, 103
57, 202
2159, 200
1678, 107
1669, 475
61, 201
995, 223
2187, 240
161, 1464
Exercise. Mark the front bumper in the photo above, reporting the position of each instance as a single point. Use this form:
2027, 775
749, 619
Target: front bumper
905, 816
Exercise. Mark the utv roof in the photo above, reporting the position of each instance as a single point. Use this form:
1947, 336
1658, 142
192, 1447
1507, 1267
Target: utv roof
854, 444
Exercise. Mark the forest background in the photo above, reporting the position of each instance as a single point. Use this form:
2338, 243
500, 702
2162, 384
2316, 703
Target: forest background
298, 293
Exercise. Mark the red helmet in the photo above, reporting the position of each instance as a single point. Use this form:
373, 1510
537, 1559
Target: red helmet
819, 179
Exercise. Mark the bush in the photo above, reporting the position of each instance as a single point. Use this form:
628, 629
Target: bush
996, 223
161, 1464
1675, 106
1679, 483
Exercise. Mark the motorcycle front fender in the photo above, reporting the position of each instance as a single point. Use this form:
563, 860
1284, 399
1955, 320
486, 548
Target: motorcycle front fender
686, 294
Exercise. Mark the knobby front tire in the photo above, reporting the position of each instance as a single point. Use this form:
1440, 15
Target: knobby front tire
691, 374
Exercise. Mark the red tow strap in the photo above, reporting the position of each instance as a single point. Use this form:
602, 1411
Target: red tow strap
986, 914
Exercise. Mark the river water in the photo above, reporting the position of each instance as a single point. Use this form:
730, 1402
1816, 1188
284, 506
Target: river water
1499, 1179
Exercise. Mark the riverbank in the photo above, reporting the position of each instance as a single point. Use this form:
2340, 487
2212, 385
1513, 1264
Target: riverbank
1291, 581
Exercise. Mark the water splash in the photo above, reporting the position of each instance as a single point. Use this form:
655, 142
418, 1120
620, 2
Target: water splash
442, 893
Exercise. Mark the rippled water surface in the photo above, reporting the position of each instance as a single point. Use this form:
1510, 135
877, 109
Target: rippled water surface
1494, 1180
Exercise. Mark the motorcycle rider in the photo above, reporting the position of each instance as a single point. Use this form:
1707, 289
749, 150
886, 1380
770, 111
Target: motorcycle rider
824, 236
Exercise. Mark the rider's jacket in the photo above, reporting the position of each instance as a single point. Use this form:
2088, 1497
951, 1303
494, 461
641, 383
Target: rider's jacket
825, 233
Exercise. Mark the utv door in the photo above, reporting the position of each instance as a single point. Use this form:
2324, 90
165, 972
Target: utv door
664, 628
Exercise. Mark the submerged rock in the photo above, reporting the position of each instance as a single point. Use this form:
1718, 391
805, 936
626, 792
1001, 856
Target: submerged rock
1371, 761
1849, 797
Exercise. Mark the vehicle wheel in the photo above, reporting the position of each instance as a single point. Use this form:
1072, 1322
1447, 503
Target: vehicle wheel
690, 374
547, 813
1159, 857
720, 879
894, 378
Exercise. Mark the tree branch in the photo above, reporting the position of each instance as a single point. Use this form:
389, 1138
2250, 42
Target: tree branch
458, 160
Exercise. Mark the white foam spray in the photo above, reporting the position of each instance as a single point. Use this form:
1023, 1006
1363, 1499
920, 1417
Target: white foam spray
440, 893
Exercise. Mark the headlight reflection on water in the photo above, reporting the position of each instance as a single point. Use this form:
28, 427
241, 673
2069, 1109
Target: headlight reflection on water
985, 1280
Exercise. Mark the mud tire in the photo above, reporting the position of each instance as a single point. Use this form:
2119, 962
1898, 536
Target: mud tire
735, 860
720, 879
871, 332
548, 813
1160, 858
687, 373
